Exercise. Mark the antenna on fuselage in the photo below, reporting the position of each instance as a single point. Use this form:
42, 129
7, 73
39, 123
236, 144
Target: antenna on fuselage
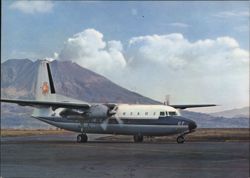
167, 100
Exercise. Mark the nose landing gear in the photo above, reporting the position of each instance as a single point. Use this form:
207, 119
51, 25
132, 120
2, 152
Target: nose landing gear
138, 138
82, 138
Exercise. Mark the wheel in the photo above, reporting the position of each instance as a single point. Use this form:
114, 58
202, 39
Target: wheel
138, 138
84, 138
81, 138
180, 139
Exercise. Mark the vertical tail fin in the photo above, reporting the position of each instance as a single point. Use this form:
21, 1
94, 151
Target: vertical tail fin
45, 89
45, 85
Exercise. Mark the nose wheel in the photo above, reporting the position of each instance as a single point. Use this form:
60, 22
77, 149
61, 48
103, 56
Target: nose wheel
180, 139
82, 138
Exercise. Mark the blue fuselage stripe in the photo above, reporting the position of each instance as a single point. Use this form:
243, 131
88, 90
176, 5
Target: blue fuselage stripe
169, 120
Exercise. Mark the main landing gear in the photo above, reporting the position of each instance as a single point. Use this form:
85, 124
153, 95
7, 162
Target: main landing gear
82, 138
180, 139
138, 138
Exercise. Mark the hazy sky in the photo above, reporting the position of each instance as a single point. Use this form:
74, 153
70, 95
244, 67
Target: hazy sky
198, 52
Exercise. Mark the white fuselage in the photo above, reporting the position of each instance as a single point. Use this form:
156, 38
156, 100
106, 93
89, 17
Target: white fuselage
135, 111
151, 120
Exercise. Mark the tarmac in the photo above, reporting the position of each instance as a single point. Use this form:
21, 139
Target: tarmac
53, 156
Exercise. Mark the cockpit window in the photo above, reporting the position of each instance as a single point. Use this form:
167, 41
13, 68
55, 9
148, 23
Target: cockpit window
172, 113
162, 113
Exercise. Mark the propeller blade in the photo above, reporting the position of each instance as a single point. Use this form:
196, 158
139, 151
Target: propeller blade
104, 124
118, 119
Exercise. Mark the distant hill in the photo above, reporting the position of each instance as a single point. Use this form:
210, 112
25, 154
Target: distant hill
233, 113
207, 121
18, 78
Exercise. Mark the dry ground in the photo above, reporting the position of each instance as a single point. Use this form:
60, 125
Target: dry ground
29, 132
213, 134
202, 134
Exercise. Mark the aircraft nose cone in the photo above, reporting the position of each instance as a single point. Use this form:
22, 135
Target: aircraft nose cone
192, 125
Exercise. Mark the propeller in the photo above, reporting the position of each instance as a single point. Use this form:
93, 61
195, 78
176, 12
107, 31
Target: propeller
112, 112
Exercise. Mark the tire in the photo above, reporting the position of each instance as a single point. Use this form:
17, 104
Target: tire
180, 139
79, 138
82, 138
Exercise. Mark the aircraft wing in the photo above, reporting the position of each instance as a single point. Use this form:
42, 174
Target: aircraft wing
53, 104
191, 106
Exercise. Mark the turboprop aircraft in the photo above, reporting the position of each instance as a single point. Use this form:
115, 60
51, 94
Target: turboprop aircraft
104, 118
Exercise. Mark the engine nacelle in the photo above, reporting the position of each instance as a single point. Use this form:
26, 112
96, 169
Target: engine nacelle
98, 111
71, 113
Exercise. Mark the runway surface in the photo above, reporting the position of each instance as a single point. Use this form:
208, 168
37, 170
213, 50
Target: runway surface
60, 156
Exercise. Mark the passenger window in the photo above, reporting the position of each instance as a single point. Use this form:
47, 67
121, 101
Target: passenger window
162, 113
138, 113
146, 113
166, 113
172, 113
131, 114
154, 113
124, 113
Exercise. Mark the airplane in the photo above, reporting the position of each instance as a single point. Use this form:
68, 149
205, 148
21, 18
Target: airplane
104, 118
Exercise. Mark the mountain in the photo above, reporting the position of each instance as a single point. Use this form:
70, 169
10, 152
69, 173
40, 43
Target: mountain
208, 121
18, 79
233, 113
